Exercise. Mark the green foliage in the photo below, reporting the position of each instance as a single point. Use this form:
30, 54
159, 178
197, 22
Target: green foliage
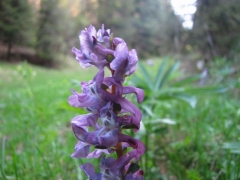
216, 23
158, 89
178, 132
224, 71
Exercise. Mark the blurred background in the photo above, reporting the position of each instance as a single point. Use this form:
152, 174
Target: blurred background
189, 53
39, 30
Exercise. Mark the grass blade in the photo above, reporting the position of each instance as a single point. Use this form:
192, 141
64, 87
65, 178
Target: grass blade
207, 90
160, 74
146, 75
168, 73
191, 100
187, 80
139, 82
3, 154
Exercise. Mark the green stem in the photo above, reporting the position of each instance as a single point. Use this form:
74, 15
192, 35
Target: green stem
146, 146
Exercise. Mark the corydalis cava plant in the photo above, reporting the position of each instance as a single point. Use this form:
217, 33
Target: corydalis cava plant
109, 111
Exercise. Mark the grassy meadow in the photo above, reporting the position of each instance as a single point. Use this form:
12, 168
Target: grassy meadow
36, 140
36, 136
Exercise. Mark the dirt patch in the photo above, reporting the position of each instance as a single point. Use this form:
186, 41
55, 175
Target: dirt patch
20, 53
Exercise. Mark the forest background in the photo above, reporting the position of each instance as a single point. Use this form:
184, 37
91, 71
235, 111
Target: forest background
48, 29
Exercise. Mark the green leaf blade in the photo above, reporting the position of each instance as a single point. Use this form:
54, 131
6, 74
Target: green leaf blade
158, 80
146, 75
168, 73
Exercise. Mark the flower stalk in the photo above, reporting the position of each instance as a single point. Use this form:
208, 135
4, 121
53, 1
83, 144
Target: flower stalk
109, 112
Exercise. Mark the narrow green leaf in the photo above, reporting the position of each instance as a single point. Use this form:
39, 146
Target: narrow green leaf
177, 93
148, 110
146, 75
168, 73
170, 91
187, 80
207, 90
3, 157
139, 82
232, 145
191, 100
45, 163
159, 130
236, 151
160, 74
157, 121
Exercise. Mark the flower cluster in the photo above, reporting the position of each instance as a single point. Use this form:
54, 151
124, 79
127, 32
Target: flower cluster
109, 111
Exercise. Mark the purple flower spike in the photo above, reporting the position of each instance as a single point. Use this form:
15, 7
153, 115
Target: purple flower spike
110, 113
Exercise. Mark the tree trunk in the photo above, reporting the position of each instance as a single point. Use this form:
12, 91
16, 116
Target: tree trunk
9, 49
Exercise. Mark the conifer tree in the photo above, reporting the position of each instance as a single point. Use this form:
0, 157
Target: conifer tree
49, 38
216, 27
15, 23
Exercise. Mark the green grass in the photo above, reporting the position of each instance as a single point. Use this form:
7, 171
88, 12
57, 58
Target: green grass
35, 132
36, 137
195, 147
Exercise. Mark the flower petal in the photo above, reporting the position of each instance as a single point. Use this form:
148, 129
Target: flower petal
81, 58
83, 100
81, 150
86, 120
90, 172
119, 64
109, 139
132, 62
110, 81
139, 92
80, 132
86, 39
97, 153
134, 143
126, 105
